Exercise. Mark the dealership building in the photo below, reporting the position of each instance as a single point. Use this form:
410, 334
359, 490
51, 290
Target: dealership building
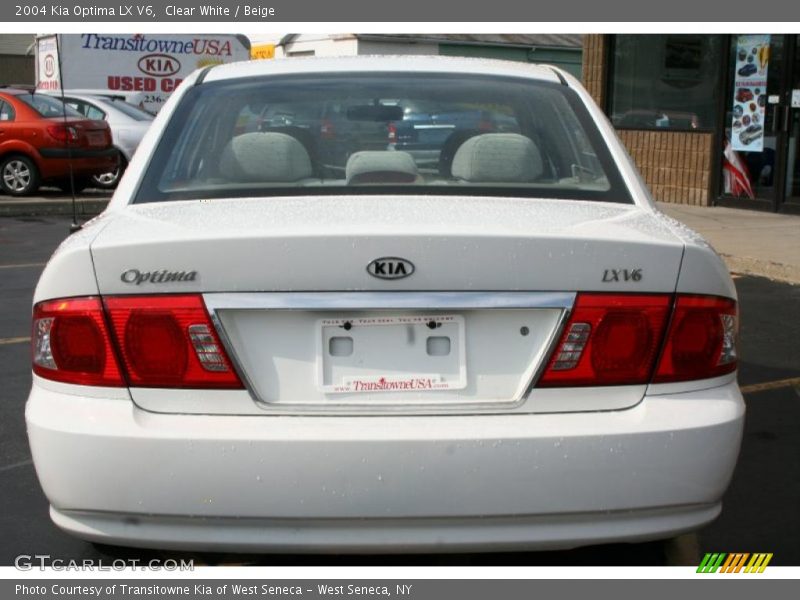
708, 119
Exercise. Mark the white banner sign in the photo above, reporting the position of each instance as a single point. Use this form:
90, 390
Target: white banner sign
150, 65
750, 93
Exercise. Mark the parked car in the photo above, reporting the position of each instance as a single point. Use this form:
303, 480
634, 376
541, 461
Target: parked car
41, 142
747, 70
136, 99
645, 118
753, 132
242, 353
425, 127
744, 95
128, 126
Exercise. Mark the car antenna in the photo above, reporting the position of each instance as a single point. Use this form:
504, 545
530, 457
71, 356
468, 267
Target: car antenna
74, 226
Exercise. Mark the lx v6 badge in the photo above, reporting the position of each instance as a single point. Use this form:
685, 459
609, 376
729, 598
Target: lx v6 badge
610, 275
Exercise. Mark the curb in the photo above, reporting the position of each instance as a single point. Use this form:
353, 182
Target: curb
84, 208
762, 268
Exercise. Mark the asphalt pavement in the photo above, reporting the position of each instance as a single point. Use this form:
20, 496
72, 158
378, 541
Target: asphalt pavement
760, 512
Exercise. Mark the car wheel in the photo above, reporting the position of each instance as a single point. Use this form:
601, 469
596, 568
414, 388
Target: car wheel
19, 176
108, 181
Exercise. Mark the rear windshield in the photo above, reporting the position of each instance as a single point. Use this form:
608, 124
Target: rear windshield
47, 106
381, 133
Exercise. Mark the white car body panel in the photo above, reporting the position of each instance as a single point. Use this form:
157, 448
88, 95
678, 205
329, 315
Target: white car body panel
369, 483
283, 466
459, 243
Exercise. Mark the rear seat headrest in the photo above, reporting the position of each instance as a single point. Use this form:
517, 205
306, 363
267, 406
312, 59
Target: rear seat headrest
498, 157
381, 166
265, 157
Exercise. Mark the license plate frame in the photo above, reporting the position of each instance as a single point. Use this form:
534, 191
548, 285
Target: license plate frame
96, 139
349, 374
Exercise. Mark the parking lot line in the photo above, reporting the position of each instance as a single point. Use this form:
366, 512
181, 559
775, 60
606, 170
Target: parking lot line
23, 265
771, 385
14, 340
23, 463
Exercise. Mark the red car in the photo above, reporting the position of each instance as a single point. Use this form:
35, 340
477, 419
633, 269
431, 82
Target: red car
744, 95
37, 142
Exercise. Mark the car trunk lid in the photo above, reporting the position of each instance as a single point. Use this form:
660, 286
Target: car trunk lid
492, 283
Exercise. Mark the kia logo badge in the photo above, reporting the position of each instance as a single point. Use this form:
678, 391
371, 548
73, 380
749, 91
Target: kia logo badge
390, 267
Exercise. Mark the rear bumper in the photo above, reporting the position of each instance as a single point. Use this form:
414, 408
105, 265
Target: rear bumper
54, 163
109, 153
116, 474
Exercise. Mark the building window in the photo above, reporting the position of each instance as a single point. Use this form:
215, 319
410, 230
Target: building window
665, 81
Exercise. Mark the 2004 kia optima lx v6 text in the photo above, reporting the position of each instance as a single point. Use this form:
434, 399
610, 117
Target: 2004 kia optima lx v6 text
287, 334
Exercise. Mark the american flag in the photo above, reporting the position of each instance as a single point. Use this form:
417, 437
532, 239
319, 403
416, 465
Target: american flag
736, 175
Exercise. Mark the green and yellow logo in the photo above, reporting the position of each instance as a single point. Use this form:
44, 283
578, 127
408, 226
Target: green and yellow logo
736, 562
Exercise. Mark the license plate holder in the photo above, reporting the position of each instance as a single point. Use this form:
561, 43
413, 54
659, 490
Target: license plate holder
391, 353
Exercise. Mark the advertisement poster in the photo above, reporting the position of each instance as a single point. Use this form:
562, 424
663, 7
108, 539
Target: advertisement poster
151, 65
750, 92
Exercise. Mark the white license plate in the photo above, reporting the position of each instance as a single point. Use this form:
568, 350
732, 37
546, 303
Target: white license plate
414, 353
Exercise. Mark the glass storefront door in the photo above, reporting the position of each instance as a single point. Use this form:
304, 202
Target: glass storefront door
791, 191
761, 142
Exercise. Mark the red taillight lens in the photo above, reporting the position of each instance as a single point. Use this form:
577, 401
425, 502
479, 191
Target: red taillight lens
327, 131
169, 341
391, 130
162, 341
702, 340
63, 133
71, 343
155, 347
611, 339
616, 339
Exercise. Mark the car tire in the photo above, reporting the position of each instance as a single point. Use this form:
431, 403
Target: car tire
109, 181
19, 175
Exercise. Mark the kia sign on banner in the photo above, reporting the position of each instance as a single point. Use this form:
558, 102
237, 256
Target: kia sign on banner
148, 65
47, 64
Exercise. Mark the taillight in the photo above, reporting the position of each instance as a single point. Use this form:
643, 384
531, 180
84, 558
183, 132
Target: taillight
616, 339
702, 340
63, 133
391, 132
327, 130
610, 339
162, 341
71, 343
169, 341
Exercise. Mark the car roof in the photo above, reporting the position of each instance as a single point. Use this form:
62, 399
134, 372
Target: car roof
397, 64
15, 91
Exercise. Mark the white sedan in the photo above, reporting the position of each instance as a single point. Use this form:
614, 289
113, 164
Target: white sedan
286, 335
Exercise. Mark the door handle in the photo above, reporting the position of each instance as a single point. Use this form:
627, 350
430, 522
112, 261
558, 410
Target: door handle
776, 118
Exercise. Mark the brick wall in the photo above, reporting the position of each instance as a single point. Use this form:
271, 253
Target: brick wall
675, 165
594, 67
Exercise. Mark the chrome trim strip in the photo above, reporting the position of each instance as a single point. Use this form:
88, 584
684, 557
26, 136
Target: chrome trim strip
549, 348
343, 301
386, 300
